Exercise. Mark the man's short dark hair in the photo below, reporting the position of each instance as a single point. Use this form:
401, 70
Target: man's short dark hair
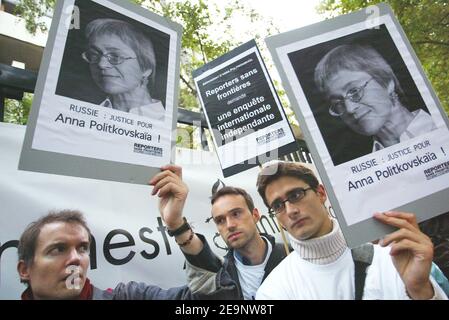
280, 169
228, 190
28, 239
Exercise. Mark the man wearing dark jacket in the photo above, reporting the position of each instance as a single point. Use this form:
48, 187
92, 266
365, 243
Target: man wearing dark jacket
251, 257
54, 258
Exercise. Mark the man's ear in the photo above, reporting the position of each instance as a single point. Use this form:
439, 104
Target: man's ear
256, 215
24, 271
321, 192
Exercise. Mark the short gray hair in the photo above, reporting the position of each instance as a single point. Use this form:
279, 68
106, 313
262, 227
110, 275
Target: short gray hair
355, 58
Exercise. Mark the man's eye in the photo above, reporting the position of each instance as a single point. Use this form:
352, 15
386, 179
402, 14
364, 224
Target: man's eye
84, 249
276, 205
297, 194
57, 250
219, 221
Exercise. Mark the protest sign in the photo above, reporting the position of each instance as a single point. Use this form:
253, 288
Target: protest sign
106, 95
243, 110
369, 112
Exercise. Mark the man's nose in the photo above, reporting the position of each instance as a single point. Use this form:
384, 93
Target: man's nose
230, 223
291, 209
74, 257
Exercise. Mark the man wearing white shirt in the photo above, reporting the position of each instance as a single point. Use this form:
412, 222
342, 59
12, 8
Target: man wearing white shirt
321, 265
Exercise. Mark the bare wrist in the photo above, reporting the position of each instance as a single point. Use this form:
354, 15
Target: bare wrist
424, 292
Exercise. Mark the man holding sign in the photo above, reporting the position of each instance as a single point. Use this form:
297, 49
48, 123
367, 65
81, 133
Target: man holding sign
252, 256
322, 266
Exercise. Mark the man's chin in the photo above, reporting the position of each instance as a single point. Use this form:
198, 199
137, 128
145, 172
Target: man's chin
236, 244
71, 290
70, 294
62, 294
302, 235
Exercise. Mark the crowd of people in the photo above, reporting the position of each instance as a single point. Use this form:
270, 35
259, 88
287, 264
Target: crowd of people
318, 264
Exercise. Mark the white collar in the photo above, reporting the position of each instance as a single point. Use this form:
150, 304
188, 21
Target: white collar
323, 250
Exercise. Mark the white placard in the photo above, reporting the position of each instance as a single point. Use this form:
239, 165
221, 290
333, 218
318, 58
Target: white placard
107, 91
384, 142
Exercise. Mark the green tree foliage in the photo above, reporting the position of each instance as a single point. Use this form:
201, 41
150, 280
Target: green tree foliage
18, 111
208, 33
426, 23
32, 11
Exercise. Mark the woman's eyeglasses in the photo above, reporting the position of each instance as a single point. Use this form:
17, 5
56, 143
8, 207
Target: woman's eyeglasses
113, 58
338, 108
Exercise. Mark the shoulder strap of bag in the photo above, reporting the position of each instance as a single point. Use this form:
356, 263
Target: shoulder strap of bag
363, 257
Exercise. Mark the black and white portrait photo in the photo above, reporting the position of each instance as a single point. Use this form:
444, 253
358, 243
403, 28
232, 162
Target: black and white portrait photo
115, 62
361, 94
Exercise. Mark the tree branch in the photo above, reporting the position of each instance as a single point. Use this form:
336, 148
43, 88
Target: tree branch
439, 43
202, 49
188, 85
444, 18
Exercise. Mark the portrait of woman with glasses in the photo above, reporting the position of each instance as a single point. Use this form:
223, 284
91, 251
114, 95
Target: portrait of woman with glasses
122, 63
363, 92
